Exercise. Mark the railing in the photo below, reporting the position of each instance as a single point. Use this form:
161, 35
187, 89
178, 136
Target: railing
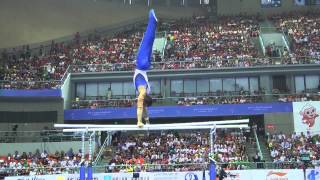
197, 64
37, 136
257, 142
102, 148
53, 84
235, 165
226, 98
65, 75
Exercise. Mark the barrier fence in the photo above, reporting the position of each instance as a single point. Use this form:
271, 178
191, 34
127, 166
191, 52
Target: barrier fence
194, 99
198, 64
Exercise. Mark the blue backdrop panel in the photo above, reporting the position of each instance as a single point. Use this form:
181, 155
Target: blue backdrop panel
30, 93
179, 111
90, 175
212, 170
82, 172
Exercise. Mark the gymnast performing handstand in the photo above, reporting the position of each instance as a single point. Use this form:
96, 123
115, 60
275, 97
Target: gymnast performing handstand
143, 63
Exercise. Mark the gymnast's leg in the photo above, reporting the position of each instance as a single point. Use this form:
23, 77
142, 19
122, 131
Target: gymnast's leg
145, 49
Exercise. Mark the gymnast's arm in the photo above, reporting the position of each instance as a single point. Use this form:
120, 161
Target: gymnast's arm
140, 105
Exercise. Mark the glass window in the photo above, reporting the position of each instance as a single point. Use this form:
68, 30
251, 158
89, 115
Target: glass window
215, 85
91, 89
242, 84
190, 87
203, 86
176, 87
80, 90
103, 89
312, 83
128, 88
116, 88
254, 84
155, 87
299, 84
229, 84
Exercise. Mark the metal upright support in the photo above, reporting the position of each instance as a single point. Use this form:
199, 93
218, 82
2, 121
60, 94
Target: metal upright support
82, 148
82, 164
90, 146
212, 168
212, 138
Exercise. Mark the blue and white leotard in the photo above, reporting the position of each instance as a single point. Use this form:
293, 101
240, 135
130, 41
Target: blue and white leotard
143, 62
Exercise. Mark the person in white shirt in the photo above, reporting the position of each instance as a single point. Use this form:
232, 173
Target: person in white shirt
274, 153
44, 154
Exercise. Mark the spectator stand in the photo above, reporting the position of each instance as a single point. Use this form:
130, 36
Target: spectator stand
303, 148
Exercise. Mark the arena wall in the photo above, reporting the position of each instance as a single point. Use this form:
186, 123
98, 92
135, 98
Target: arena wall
34, 21
50, 147
279, 122
9, 108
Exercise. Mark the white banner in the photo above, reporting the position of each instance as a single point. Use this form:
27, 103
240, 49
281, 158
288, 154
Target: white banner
272, 174
306, 116
268, 174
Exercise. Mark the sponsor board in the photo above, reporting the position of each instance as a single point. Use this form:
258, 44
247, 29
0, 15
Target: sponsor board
272, 174
53, 177
313, 174
196, 175
306, 116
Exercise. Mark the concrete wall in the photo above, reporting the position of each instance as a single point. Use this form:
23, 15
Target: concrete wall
283, 122
51, 147
25, 126
34, 21
34, 106
234, 7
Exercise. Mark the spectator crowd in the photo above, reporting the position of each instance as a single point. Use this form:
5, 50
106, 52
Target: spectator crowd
304, 30
173, 151
293, 147
40, 163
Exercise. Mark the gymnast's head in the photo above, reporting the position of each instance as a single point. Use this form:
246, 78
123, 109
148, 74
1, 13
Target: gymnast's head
148, 100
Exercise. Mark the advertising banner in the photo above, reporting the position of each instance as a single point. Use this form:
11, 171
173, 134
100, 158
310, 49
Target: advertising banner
179, 111
190, 175
313, 174
268, 174
306, 116
30, 93
272, 174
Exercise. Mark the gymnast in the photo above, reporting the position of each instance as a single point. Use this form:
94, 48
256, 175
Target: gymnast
143, 63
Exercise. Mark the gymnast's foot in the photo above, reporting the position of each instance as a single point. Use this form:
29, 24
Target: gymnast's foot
152, 15
140, 124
